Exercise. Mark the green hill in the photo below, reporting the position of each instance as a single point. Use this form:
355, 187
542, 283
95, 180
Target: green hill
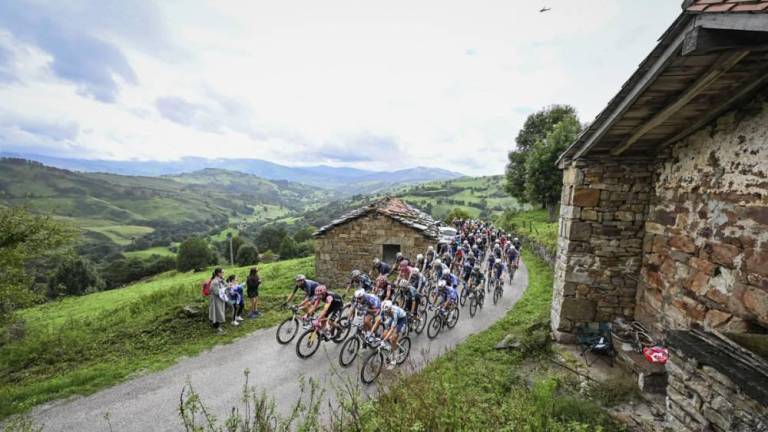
114, 209
80, 344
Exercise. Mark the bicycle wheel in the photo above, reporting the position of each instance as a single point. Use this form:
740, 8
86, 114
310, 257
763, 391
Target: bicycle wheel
463, 297
349, 351
287, 330
453, 318
372, 367
433, 329
403, 349
308, 343
341, 331
421, 321
496, 294
472, 306
432, 297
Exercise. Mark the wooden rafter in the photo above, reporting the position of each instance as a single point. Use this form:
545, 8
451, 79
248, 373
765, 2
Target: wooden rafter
722, 65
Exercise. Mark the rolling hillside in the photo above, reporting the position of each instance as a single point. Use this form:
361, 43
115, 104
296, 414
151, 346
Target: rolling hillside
118, 209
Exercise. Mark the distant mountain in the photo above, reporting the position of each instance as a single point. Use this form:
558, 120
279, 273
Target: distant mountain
347, 181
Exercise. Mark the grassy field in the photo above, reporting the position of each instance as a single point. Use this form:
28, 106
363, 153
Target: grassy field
81, 344
534, 224
146, 253
476, 387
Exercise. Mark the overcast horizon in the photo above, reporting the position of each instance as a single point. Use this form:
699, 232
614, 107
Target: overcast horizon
377, 86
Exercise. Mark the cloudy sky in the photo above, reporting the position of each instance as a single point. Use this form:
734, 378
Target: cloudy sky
370, 84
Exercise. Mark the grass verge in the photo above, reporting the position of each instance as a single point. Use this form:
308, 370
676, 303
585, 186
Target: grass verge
534, 224
82, 344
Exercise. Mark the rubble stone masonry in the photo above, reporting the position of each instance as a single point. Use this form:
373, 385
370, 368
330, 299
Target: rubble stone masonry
706, 239
354, 245
603, 208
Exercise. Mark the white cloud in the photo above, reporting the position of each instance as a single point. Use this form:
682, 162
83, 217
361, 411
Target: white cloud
438, 83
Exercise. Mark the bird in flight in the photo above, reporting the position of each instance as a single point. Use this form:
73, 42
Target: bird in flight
545, 9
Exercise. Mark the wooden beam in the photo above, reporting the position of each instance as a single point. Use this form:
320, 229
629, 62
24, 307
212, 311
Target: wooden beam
650, 76
733, 21
702, 40
757, 80
722, 65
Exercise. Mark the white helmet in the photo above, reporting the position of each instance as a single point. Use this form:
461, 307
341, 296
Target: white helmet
516, 239
356, 273
419, 257
375, 261
438, 262
441, 283
415, 272
430, 248
300, 278
399, 254
386, 305
359, 293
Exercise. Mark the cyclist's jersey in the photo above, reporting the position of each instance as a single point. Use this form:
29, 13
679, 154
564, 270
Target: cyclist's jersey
477, 277
472, 260
383, 268
417, 281
451, 279
405, 272
371, 301
449, 293
498, 268
308, 288
364, 282
447, 260
497, 252
396, 313
330, 297
430, 255
511, 253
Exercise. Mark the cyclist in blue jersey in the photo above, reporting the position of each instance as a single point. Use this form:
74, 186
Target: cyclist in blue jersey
448, 295
381, 268
306, 285
394, 321
371, 303
360, 280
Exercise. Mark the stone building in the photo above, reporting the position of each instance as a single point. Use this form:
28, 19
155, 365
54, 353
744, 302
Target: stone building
378, 230
664, 215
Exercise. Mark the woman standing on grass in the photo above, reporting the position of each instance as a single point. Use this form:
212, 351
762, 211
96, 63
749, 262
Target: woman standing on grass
252, 284
217, 307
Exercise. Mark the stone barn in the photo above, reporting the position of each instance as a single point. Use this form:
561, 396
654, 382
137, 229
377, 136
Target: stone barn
378, 230
664, 215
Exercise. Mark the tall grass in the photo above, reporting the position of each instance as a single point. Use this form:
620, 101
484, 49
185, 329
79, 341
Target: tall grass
82, 344
534, 224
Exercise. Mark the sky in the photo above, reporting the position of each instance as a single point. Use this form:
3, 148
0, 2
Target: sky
368, 84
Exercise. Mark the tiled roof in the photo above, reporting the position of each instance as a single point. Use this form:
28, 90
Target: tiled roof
394, 208
711, 6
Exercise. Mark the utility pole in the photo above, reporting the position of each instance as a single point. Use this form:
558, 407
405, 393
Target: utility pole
231, 255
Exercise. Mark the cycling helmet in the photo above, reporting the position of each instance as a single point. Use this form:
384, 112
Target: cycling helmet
415, 272
386, 305
403, 264
516, 239
399, 255
403, 283
419, 257
301, 278
438, 262
375, 261
321, 290
356, 274
430, 248
476, 269
441, 283
359, 293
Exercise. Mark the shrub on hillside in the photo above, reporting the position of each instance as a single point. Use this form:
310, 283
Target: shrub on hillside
457, 213
75, 276
122, 271
247, 255
288, 248
194, 254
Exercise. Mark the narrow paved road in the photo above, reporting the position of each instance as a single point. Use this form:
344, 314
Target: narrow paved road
149, 403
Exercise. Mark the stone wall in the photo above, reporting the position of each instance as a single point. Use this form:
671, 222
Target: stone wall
706, 242
603, 209
356, 243
700, 398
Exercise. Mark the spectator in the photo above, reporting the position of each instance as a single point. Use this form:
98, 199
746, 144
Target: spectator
235, 297
252, 283
217, 306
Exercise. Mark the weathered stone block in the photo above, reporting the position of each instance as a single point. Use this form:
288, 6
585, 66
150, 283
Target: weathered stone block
724, 254
585, 197
578, 310
580, 231
683, 243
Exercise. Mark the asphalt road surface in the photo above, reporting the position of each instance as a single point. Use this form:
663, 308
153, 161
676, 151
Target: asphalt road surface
150, 402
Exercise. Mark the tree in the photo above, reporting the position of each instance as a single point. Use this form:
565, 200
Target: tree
194, 254
24, 237
75, 276
304, 234
544, 180
288, 248
534, 134
247, 255
457, 213
270, 238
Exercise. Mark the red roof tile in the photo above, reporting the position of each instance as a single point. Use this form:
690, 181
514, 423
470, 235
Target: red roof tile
714, 6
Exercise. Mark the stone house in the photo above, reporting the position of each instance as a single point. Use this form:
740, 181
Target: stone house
664, 215
378, 230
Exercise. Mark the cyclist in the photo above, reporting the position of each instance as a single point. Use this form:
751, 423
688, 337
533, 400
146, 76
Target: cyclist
381, 268
448, 295
466, 271
437, 269
412, 298
447, 258
360, 280
450, 278
372, 305
404, 272
308, 286
418, 280
518, 244
429, 257
383, 288
476, 278
513, 258
332, 307
394, 321
419, 264
498, 269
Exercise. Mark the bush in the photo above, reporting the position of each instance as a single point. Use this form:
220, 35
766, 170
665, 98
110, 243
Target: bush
123, 271
288, 248
194, 254
75, 276
247, 255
